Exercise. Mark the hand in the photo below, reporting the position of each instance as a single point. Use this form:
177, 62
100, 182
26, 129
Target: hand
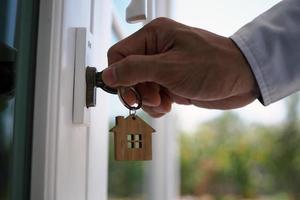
170, 62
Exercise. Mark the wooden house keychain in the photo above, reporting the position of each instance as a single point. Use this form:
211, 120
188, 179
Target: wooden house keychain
132, 135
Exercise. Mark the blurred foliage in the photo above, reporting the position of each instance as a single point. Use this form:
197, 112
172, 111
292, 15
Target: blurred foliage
125, 178
228, 159
226, 156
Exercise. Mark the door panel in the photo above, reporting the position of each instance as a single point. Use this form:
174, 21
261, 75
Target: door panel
72, 139
77, 154
82, 150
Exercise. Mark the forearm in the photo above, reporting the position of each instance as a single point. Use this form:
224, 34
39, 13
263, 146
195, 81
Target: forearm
271, 44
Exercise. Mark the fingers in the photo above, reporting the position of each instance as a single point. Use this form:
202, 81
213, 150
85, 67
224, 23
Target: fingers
150, 94
128, 96
136, 59
152, 113
135, 44
180, 100
156, 102
225, 104
146, 41
164, 107
132, 70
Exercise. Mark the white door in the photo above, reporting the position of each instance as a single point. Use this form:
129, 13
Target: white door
69, 161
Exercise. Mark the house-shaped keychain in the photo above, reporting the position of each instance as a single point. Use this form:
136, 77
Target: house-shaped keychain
132, 138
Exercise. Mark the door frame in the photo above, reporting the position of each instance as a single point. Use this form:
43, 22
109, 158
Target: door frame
46, 100
49, 154
45, 163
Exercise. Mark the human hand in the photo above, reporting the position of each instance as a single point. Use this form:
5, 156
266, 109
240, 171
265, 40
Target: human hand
170, 62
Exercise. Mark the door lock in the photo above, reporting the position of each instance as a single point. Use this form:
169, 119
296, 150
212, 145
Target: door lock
86, 79
93, 81
136, 11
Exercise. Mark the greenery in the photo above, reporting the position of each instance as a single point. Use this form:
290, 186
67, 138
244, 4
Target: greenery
228, 159
225, 157
125, 178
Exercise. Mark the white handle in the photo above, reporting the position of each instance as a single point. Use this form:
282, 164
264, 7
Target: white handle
136, 11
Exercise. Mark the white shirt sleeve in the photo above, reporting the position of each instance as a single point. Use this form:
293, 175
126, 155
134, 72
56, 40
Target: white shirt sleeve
271, 44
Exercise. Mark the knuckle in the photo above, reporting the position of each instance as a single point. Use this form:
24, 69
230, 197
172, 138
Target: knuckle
129, 60
162, 20
117, 74
111, 50
179, 33
113, 55
158, 22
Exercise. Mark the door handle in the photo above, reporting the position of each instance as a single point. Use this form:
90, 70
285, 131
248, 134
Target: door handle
7, 70
136, 11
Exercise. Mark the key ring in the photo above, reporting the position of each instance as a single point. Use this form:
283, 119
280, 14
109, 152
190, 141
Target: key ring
132, 109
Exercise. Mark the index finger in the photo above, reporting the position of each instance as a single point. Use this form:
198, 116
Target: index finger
151, 39
135, 44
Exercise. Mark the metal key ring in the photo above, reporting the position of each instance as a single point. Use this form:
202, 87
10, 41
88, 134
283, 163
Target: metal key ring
137, 96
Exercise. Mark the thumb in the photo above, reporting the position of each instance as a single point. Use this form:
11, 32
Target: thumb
132, 70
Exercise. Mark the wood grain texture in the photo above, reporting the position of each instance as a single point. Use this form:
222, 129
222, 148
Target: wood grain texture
132, 125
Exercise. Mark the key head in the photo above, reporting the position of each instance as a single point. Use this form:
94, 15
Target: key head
100, 84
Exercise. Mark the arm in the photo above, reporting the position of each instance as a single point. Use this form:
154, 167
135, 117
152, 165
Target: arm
271, 44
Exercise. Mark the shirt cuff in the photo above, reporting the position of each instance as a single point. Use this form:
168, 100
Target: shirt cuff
265, 97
